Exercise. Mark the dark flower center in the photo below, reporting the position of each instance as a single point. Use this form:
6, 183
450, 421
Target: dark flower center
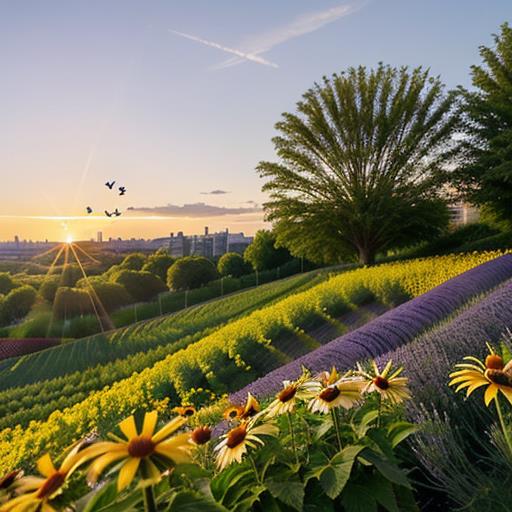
141, 446
201, 435
329, 394
8, 479
381, 382
287, 393
52, 484
189, 411
236, 436
250, 412
499, 377
494, 362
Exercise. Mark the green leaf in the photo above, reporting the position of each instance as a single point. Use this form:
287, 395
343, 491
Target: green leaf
387, 468
399, 431
356, 498
323, 428
101, 498
228, 478
190, 501
289, 489
382, 491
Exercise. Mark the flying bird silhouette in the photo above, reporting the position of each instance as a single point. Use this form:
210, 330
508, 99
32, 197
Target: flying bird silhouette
110, 184
89, 210
108, 214
122, 191
116, 212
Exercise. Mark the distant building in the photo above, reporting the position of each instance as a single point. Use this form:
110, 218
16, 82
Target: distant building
463, 213
99, 237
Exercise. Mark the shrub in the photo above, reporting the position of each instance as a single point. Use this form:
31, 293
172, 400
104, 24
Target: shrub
232, 264
71, 273
262, 254
17, 303
190, 272
49, 288
111, 295
158, 264
142, 286
134, 261
6, 283
70, 302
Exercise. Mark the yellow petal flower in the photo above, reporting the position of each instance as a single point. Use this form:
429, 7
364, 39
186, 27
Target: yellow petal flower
128, 427
127, 473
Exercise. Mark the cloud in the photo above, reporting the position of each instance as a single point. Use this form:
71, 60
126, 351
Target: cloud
244, 56
215, 193
192, 210
300, 26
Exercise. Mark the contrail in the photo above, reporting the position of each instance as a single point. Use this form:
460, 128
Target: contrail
246, 56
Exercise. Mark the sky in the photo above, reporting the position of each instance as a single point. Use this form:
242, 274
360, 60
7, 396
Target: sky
177, 100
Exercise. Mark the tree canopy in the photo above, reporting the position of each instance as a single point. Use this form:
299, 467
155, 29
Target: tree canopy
357, 164
142, 286
190, 272
158, 264
263, 254
485, 175
134, 261
232, 264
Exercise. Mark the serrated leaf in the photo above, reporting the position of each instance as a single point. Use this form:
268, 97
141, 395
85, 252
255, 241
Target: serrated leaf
356, 498
387, 468
290, 491
382, 491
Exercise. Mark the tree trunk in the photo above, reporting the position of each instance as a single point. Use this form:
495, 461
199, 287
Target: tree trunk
366, 255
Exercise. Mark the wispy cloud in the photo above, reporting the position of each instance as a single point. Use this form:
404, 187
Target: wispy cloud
242, 55
302, 25
254, 47
215, 192
192, 210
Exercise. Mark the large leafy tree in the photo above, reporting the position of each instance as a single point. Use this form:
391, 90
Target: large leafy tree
357, 163
485, 176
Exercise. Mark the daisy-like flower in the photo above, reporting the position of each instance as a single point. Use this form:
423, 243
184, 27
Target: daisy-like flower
185, 411
243, 412
139, 452
328, 378
343, 393
390, 387
201, 435
36, 493
286, 400
234, 444
493, 373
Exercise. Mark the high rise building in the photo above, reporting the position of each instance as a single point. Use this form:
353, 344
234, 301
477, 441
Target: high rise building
99, 237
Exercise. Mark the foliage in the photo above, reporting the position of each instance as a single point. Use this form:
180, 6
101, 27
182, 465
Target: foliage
17, 303
263, 254
190, 272
71, 273
232, 264
235, 354
70, 302
140, 285
485, 173
112, 296
6, 283
358, 160
158, 264
48, 288
134, 261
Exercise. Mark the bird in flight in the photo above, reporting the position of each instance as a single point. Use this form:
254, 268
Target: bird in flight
108, 214
110, 184
122, 191
116, 212
89, 210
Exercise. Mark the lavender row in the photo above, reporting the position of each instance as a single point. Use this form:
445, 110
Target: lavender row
391, 330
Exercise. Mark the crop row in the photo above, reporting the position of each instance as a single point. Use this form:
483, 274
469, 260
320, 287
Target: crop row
79, 355
232, 356
391, 330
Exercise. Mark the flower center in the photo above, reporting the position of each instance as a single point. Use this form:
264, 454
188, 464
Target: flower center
52, 484
499, 377
236, 436
494, 362
287, 393
381, 382
188, 411
201, 435
141, 446
329, 394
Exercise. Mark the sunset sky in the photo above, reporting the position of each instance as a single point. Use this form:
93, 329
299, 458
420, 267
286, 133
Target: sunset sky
177, 100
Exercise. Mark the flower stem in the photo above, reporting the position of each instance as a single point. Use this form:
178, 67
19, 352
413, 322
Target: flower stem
292, 434
255, 469
337, 428
149, 499
380, 410
506, 433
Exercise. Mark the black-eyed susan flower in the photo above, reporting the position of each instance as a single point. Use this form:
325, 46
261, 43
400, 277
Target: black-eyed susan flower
492, 372
243, 412
343, 393
201, 435
392, 388
234, 444
36, 493
185, 410
286, 400
139, 452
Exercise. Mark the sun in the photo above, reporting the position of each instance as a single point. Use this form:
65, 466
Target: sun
69, 239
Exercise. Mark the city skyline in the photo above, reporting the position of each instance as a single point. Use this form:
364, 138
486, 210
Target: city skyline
180, 107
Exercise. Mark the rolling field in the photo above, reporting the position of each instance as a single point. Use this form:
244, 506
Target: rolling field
237, 353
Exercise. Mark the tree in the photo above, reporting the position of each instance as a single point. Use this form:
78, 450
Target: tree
158, 264
112, 296
71, 302
49, 287
485, 174
71, 273
142, 286
357, 164
263, 254
190, 272
17, 303
6, 283
232, 264
134, 261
